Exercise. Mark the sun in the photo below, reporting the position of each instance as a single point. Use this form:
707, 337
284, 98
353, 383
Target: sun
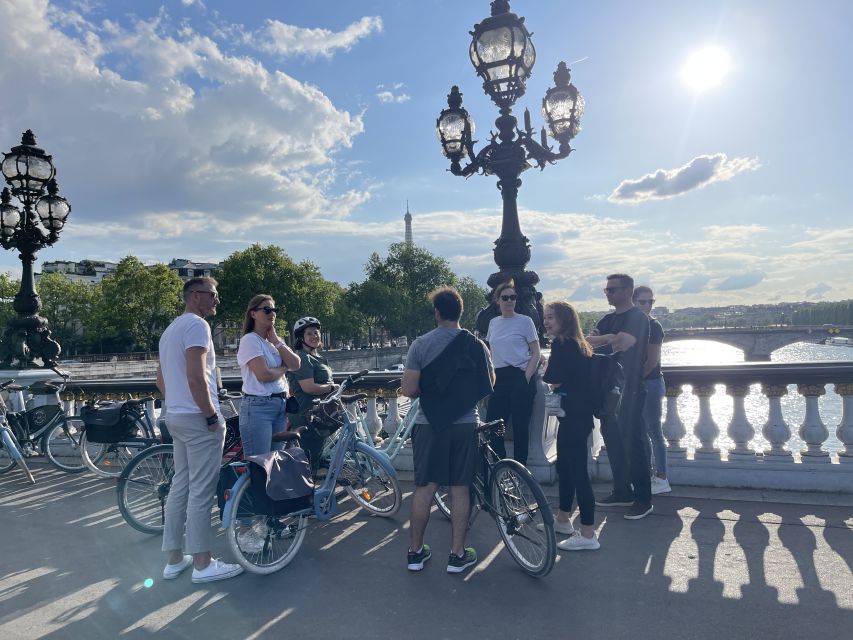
706, 68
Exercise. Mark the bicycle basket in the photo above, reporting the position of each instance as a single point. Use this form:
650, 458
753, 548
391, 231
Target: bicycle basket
326, 418
109, 423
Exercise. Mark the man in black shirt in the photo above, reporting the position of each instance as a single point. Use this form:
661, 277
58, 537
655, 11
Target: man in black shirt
625, 331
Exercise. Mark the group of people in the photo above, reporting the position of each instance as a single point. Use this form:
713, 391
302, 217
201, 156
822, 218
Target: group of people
451, 371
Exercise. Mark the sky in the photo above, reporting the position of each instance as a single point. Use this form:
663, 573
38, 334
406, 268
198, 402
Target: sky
195, 128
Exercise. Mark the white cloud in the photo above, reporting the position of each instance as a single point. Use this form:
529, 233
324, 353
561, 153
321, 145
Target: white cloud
669, 183
391, 93
283, 39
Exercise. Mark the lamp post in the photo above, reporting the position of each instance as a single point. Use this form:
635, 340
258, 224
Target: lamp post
503, 56
29, 171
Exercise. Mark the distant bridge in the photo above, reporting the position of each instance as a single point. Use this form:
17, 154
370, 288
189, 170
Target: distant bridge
757, 343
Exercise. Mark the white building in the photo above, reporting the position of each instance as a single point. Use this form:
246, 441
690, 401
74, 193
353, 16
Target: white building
88, 271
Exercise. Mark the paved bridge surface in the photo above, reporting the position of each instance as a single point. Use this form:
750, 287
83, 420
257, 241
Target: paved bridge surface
707, 564
757, 343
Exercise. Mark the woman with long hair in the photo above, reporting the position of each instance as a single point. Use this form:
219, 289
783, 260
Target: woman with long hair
568, 373
514, 344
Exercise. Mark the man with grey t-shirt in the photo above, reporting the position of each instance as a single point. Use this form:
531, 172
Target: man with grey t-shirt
450, 371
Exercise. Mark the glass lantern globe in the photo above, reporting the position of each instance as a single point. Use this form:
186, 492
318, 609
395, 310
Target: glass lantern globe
502, 54
53, 209
27, 168
454, 127
10, 216
563, 106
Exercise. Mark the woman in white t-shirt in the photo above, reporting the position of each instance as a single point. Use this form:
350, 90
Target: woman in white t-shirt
514, 344
264, 358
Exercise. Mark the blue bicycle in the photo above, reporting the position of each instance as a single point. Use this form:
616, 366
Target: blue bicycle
264, 543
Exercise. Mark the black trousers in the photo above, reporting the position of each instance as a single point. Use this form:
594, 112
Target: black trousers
625, 439
512, 398
572, 456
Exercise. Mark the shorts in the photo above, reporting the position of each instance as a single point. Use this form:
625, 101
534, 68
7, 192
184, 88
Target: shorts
445, 456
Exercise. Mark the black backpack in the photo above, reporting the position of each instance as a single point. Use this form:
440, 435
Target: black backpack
607, 382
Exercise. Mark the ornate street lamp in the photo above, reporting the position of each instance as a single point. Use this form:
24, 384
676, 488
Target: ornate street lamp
29, 172
503, 56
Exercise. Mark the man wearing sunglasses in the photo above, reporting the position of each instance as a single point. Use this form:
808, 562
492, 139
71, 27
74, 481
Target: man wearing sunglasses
644, 299
186, 377
625, 331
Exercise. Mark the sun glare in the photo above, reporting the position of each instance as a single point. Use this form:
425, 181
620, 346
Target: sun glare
706, 68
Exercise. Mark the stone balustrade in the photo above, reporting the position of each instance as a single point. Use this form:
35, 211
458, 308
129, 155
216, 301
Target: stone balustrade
759, 449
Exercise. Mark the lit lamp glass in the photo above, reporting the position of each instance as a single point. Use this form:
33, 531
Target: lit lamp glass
562, 106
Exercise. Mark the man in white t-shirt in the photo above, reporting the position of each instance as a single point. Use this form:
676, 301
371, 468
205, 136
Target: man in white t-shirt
187, 379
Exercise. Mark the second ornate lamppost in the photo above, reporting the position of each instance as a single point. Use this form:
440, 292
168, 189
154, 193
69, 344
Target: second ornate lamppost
29, 171
503, 56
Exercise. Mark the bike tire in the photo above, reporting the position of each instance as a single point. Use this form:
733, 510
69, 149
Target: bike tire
10, 443
441, 499
370, 485
282, 536
61, 445
143, 488
519, 507
113, 458
7, 460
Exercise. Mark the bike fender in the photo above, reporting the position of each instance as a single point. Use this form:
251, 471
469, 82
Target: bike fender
381, 457
229, 506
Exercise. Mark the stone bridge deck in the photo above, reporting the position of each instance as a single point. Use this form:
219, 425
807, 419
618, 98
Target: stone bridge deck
758, 343
706, 564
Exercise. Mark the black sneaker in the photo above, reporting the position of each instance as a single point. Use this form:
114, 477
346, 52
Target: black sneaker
613, 501
638, 510
418, 558
458, 564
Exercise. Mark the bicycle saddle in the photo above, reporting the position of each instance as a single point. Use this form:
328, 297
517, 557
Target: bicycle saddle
287, 436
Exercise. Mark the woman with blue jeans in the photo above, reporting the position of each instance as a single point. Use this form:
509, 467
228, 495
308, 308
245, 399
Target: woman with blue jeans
264, 358
643, 298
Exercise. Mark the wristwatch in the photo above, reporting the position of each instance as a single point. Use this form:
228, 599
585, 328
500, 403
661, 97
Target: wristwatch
212, 419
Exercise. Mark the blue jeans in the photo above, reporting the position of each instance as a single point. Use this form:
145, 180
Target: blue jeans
260, 417
655, 391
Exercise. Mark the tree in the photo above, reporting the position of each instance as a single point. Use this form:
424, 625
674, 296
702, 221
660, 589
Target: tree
8, 289
409, 273
135, 304
474, 298
298, 289
346, 321
67, 307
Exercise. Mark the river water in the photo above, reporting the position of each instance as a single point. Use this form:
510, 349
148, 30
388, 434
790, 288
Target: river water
702, 352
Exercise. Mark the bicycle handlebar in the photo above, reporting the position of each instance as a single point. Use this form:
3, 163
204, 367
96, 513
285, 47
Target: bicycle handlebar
346, 384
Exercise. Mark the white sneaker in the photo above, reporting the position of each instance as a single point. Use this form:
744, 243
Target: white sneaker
564, 528
216, 570
172, 571
660, 485
250, 541
579, 543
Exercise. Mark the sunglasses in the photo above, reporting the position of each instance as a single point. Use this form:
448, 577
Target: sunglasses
613, 289
645, 302
267, 310
213, 294
509, 297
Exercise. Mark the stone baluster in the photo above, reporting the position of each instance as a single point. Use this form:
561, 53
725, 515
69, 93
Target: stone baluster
813, 431
776, 430
392, 420
372, 420
706, 429
673, 427
844, 432
740, 430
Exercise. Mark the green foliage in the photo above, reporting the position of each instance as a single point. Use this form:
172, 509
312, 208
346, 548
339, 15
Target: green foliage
840, 313
474, 298
134, 305
65, 305
8, 289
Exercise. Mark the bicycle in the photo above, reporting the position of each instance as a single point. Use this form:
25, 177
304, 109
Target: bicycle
515, 501
10, 450
40, 424
366, 474
143, 486
123, 429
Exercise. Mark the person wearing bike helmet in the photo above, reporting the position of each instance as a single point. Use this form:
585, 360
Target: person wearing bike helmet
311, 380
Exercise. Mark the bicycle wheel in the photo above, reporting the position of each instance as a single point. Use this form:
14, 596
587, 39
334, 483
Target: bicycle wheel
520, 506
441, 499
11, 445
113, 457
262, 543
143, 487
370, 485
7, 462
61, 445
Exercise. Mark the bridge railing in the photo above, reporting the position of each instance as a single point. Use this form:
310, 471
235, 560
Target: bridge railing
739, 435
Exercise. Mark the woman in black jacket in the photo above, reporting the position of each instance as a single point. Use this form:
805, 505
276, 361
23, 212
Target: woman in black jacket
568, 373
